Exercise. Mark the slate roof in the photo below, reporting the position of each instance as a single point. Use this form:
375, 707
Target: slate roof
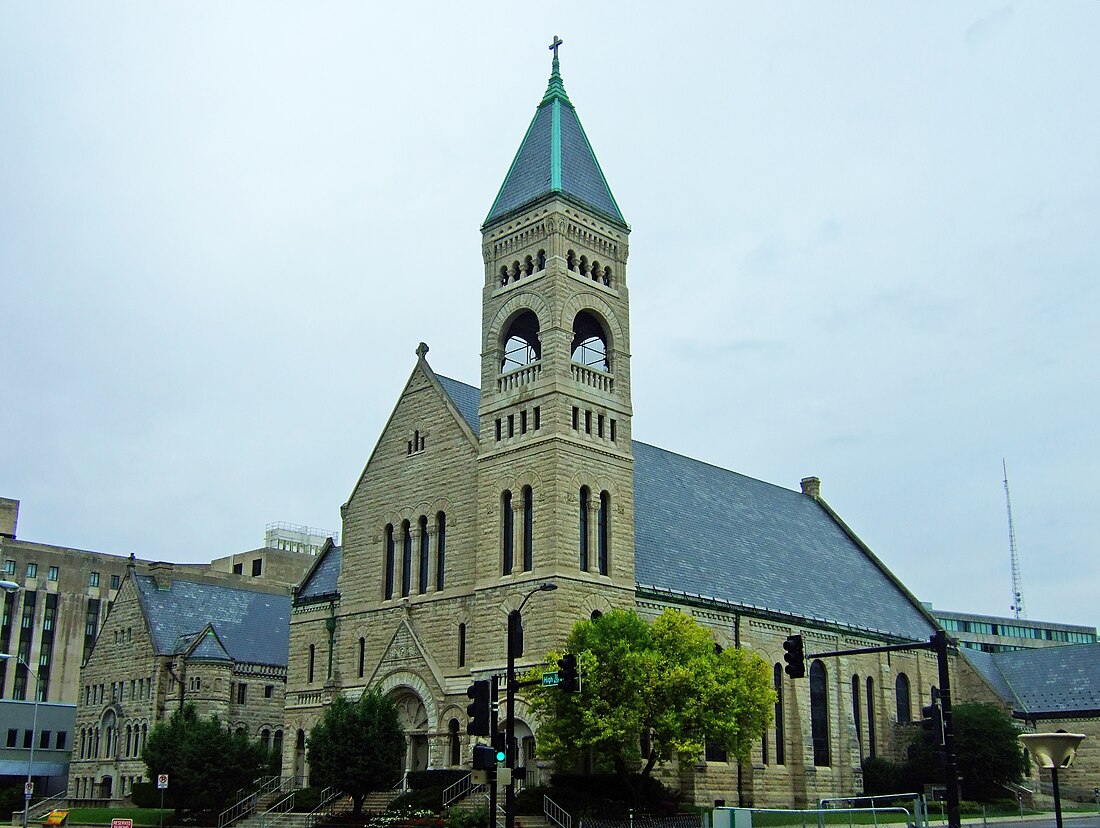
253, 626
555, 157
700, 530
210, 649
1044, 681
322, 579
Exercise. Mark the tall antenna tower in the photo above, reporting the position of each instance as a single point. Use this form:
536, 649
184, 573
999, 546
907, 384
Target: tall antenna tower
1017, 581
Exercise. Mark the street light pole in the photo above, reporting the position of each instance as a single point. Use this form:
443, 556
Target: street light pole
28, 788
515, 633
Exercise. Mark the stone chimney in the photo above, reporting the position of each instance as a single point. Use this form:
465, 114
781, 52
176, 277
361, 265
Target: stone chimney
9, 516
162, 574
811, 486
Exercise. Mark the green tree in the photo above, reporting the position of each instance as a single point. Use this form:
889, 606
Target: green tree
987, 753
358, 747
667, 680
206, 764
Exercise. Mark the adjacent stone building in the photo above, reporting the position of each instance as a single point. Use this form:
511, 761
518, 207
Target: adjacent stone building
476, 495
175, 637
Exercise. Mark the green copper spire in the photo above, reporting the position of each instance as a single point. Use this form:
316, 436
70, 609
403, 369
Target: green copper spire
555, 157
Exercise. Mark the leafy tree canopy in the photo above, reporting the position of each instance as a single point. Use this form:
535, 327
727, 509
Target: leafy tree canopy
358, 747
987, 753
667, 680
206, 764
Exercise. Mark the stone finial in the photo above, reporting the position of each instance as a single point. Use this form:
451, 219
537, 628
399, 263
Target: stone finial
421, 350
811, 486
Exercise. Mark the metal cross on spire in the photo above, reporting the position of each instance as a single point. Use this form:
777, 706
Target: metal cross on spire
554, 47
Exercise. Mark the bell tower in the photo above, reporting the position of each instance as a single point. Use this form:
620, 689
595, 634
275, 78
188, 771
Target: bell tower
555, 464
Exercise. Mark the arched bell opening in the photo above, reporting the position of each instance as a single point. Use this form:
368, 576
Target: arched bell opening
590, 342
521, 342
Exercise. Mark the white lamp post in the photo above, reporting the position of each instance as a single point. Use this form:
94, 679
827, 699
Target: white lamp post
1053, 751
28, 788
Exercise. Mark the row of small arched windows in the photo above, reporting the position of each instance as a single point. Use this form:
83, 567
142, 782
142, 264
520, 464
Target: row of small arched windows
136, 734
518, 270
593, 271
424, 557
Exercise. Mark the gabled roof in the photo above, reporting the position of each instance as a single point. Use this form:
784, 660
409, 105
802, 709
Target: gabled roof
555, 157
252, 626
322, 578
208, 647
704, 532
1045, 681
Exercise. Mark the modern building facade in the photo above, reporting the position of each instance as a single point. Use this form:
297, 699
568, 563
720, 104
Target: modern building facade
993, 634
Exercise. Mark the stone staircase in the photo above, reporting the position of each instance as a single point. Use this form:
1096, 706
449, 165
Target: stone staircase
378, 801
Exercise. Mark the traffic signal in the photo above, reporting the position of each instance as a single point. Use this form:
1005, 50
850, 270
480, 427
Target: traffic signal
932, 719
485, 757
478, 710
795, 656
568, 678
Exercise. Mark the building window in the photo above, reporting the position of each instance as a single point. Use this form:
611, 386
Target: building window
13, 734
60, 740
422, 579
362, 656
51, 573
870, 717
389, 561
714, 752
257, 567
312, 662
819, 714
780, 741
455, 742
241, 692
9, 567
440, 548
114, 582
93, 579
603, 535
269, 691
857, 715
507, 533
238, 569
528, 530
461, 645
32, 570
584, 529
406, 558
901, 688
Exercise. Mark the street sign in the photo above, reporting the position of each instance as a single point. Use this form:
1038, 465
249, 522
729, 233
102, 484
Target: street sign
122, 823
28, 789
550, 679
162, 780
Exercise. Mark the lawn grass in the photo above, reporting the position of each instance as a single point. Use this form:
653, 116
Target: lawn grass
103, 816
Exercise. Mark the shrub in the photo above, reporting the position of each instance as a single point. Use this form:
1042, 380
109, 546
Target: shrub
881, 776
424, 799
147, 795
306, 799
459, 818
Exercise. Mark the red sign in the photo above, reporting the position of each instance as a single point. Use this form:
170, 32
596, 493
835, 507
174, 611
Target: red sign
122, 823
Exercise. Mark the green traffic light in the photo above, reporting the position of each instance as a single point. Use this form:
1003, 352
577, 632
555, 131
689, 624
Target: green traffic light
501, 756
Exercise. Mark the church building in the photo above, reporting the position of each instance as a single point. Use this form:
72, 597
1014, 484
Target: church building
475, 495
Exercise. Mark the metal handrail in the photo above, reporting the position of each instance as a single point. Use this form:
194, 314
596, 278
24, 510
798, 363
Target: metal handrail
328, 796
555, 813
283, 806
57, 797
459, 790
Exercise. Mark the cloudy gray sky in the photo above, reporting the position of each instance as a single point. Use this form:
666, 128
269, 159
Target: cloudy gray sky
865, 246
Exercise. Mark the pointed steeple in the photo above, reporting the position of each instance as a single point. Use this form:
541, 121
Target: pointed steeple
555, 157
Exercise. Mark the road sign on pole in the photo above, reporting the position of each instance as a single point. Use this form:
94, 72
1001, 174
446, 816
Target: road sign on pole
162, 780
550, 679
28, 790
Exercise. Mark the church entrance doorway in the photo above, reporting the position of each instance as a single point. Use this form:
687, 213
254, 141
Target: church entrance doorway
414, 719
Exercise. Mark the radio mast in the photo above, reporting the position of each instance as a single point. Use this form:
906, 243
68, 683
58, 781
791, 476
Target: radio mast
1017, 606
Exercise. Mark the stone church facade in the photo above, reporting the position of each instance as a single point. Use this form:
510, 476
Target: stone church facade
474, 496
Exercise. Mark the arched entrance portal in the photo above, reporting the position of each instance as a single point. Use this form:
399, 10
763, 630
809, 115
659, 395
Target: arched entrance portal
300, 757
414, 720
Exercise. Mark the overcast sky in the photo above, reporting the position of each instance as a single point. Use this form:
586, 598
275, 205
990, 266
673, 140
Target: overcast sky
865, 246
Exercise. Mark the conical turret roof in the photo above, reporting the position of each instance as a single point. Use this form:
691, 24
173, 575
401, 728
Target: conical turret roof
555, 157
